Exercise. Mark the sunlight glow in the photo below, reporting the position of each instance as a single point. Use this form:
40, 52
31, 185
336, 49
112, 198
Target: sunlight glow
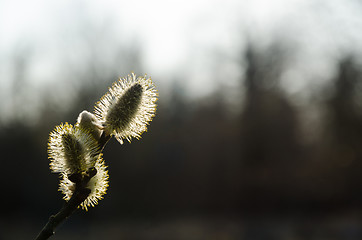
187, 41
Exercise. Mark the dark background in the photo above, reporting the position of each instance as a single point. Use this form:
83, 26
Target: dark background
259, 166
202, 173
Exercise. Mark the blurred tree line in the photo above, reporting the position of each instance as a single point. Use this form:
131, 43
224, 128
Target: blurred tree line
201, 159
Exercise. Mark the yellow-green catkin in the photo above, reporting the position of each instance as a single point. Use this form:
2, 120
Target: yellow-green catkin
71, 150
97, 185
128, 107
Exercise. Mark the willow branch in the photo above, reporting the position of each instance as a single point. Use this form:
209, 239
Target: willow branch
78, 197
103, 140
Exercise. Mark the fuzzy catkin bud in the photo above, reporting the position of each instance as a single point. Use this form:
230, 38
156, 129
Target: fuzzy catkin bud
122, 112
97, 185
128, 107
71, 150
88, 122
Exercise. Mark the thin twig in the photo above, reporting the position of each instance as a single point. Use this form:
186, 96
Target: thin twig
69, 207
103, 140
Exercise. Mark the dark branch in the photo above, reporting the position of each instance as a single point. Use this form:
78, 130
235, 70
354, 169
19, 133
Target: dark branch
103, 140
80, 194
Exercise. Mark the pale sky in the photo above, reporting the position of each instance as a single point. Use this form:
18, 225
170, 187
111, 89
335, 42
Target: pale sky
190, 39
